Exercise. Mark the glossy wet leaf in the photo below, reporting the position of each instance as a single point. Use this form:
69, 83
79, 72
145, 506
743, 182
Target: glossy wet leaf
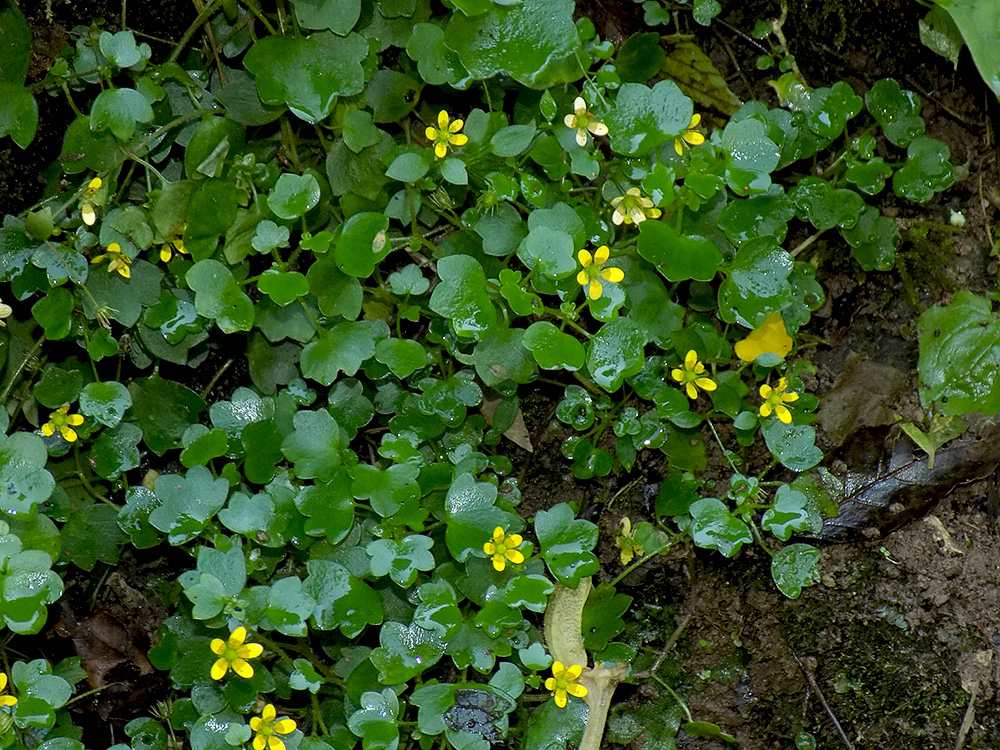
472, 515
565, 543
927, 170
106, 402
645, 117
793, 511
293, 195
116, 451
187, 503
825, 206
752, 155
362, 244
757, 216
405, 652
869, 176
461, 296
539, 42
375, 720
678, 257
219, 297
616, 352
402, 560
874, 240
714, 527
15, 45
23, 478
307, 73
896, 110
794, 445
164, 410
757, 283
93, 535
794, 567
438, 610
502, 357
959, 362
40, 693
343, 349
552, 348
939, 33
314, 446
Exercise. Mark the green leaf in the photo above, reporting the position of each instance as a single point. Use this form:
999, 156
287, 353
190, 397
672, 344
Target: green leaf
959, 362
825, 206
39, 693
164, 410
121, 50
644, 118
940, 34
794, 567
471, 516
436, 62
120, 110
339, 16
978, 20
540, 42
212, 211
461, 297
794, 445
23, 476
403, 357
18, 113
927, 170
123, 299
566, 543
391, 94
288, 606
283, 287
362, 244
329, 508
757, 283
438, 610
105, 402
554, 728
134, 515
501, 358
602, 617
342, 600
217, 296
187, 503
117, 450
402, 559
453, 171
616, 352
550, 251
757, 216
307, 73
293, 195
868, 176
201, 445
896, 110
678, 257
58, 386
405, 652
387, 489
375, 720
344, 348
714, 527
92, 534
314, 446
15, 45
359, 131
54, 313
752, 155
410, 166
793, 511
512, 140
874, 240
640, 58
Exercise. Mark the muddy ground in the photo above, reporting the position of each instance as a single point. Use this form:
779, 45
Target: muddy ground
899, 643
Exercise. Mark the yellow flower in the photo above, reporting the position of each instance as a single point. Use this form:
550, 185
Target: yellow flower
233, 654
690, 136
633, 208
691, 376
265, 728
120, 262
87, 211
168, 249
63, 421
775, 400
625, 541
5, 700
581, 120
445, 133
563, 680
770, 338
503, 547
594, 270
5, 312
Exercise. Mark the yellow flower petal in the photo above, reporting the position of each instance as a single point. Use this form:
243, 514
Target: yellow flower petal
557, 668
783, 414
692, 392
7, 701
431, 133
95, 184
515, 540
691, 360
455, 126
440, 150
516, 557
443, 120
765, 409
695, 119
498, 534
561, 698
268, 714
88, 214
569, 121
578, 691
285, 726
68, 435
598, 128
765, 391
580, 105
602, 255
595, 290
677, 147
250, 650
76, 420
574, 671
771, 337
458, 140
489, 548
585, 258
550, 683
694, 138
498, 563
255, 722
677, 375
219, 669
243, 669
613, 274
581, 137
706, 384
237, 637
273, 743
259, 743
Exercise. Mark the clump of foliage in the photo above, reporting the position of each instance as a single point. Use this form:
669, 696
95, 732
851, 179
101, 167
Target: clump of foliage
392, 212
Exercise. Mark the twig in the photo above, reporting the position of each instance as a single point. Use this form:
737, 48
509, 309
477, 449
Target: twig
826, 706
667, 647
806, 243
970, 715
